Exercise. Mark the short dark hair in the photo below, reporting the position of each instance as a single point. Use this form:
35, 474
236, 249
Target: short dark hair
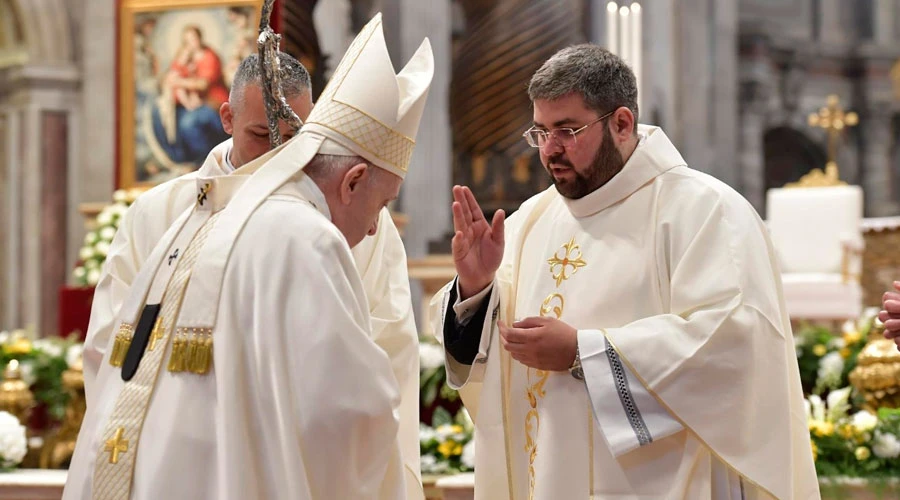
294, 77
603, 79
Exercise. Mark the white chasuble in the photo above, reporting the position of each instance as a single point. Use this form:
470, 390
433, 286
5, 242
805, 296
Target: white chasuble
691, 387
293, 399
380, 260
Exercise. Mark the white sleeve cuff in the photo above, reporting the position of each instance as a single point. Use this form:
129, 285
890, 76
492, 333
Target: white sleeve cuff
465, 309
627, 414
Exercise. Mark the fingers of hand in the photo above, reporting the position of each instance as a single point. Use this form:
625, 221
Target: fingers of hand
515, 335
472, 205
530, 361
892, 326
532, 322
459, 245
513, 348
892, 306
459, 221
461, 194
497, 226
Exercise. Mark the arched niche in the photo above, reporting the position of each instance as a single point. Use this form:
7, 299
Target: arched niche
789, 154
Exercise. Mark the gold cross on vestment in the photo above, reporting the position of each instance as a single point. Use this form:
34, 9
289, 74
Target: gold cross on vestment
204, 191
559, 266
116, 445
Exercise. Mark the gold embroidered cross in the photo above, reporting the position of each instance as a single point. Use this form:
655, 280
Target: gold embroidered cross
157, 334
559, 266
116, 445
201, 197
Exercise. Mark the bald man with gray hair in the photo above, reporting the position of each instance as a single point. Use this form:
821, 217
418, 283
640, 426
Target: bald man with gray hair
380, 258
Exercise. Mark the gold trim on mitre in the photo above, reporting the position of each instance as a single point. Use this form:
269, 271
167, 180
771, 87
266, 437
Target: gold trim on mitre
370, 110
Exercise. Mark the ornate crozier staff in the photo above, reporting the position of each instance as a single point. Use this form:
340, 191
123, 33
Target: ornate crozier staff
270, 73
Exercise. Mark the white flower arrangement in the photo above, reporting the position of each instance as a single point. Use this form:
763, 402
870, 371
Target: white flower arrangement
13, 443
448, 448
42, 362
831, 369
431, 356
97, 242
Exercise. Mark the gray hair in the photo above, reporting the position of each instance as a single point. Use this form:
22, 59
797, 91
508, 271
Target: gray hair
294, 77
325, 168
603, 79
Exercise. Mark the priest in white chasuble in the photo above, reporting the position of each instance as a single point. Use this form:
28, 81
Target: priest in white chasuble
243, 365
623, 335
379, 258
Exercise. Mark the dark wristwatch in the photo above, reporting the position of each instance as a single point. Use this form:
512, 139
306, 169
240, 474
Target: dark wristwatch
575, 369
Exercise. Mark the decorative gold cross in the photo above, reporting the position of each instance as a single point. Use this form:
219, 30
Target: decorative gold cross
157, 334
204, 191
559, 266
834, 120
116, 445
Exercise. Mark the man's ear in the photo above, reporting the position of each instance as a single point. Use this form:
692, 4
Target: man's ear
351, 183
622, 124
227, 116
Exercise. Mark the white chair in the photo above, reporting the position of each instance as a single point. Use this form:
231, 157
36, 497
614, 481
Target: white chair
818, 239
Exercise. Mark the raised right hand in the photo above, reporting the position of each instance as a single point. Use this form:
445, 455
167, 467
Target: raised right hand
477, 246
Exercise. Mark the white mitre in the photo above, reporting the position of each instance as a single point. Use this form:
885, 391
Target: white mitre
366, 110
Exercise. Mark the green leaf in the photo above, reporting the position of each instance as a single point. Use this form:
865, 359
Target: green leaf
441, 417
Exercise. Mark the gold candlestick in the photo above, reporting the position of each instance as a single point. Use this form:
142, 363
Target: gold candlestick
15, 396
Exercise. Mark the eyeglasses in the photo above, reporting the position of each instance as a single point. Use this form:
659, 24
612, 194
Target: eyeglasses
565, 137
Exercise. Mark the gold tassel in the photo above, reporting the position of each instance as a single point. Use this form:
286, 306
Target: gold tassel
120, 346
123, 352
191, 352
117, 346
191, 355
204, 356
176, 354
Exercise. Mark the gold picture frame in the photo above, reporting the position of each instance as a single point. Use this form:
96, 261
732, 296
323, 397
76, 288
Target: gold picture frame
175, 62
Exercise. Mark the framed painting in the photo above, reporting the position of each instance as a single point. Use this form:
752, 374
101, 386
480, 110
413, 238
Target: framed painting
176, 59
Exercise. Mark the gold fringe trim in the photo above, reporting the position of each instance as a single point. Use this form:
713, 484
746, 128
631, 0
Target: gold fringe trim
191, 351
121, 345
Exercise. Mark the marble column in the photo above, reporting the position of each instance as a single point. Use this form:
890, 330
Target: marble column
425, 197
757, 86
834, 20
885, 15
704, 124
875, 126
332, 22
660, 54
750, 158
97, 169
40, 170
724, 131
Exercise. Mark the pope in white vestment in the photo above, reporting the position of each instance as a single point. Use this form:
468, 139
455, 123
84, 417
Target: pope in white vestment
243, 364
380, 259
